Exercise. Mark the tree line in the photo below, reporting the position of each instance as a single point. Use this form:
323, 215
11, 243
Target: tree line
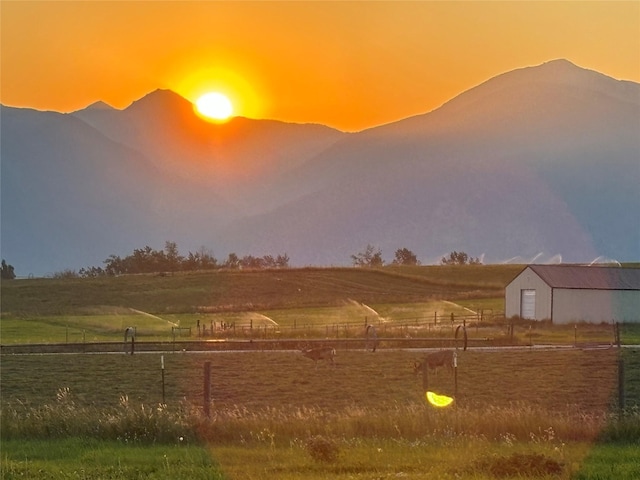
169, 260
372, 257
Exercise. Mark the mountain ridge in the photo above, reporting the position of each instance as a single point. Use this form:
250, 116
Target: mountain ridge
533, 160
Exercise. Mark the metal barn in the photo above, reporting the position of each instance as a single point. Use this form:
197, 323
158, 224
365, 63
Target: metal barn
575, 293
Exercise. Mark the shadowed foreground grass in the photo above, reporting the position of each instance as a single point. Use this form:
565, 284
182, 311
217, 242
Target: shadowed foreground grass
461, 458
64, 440
89, 459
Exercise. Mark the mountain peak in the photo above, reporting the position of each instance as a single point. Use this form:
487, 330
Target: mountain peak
509, 88
99, 105
560, 63
162, 94
162, 100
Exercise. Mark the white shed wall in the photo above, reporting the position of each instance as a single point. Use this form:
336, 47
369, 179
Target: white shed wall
528, 280
595, 306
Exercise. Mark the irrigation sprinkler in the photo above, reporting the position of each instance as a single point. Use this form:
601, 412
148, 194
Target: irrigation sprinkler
464, 337
130, 331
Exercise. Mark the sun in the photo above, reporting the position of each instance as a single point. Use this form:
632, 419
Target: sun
214, 106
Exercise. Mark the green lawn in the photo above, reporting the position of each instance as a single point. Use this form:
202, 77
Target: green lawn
86, 459
454, 458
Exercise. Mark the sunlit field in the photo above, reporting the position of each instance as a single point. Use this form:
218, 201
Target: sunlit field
554, 406
275, 405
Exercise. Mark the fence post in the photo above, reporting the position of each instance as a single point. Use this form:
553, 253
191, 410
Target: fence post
425, 376
162, 366
455, 375
207, 389
620, 382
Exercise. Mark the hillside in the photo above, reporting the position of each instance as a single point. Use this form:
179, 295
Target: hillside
253, 290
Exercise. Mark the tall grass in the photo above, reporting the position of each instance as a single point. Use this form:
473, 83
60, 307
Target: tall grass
125, 422
131, 422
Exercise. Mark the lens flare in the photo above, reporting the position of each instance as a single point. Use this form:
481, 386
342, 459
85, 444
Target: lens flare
439, 401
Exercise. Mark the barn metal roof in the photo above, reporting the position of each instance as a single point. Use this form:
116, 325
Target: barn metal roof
588, 277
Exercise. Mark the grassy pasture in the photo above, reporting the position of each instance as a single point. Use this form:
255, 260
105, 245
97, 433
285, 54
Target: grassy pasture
267, 406
98, 310
556, 380
253, 290
102, 324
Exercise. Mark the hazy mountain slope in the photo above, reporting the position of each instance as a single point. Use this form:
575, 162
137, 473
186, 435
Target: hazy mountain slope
71, 197
431, 209
527, 162
239, 159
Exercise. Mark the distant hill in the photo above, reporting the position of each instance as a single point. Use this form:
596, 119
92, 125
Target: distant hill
541, 162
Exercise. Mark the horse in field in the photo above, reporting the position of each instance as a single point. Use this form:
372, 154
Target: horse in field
320, 353
433, 361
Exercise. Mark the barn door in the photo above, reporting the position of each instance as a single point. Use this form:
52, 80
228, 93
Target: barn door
528, 304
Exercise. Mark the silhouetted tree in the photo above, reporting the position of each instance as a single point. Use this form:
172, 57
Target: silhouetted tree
460, 258
232, 261
172, 258
282, 261
92, 272
405, 256
7, 272
371, 257
203, 259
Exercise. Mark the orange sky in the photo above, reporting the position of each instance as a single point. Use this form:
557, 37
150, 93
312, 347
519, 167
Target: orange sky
350, 65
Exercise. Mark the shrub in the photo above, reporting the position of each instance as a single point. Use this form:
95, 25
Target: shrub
518, 465
322, 449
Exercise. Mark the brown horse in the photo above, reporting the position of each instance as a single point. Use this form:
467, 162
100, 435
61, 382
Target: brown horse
320, 353
433, 361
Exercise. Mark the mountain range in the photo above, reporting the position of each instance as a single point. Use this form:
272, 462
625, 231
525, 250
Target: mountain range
540, 163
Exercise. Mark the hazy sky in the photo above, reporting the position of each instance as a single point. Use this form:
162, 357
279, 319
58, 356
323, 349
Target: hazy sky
350, 65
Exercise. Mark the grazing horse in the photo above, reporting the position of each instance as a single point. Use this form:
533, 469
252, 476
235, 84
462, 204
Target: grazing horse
320, 353
442, 358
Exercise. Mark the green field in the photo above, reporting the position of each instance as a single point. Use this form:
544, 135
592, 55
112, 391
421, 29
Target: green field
233, 291
534, 412
400, 301
270, 405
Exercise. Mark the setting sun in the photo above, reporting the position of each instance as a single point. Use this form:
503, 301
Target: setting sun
214, 106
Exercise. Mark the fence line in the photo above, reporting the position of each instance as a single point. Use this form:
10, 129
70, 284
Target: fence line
410, 326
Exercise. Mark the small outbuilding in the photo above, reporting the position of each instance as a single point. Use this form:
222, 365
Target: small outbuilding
575, 293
